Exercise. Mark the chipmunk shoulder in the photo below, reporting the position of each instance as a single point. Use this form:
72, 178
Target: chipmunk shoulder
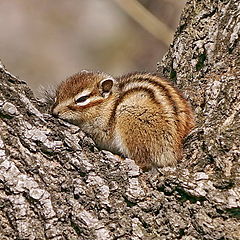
139, 115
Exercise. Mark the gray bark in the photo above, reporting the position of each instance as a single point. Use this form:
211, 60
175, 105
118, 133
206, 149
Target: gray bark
55, 184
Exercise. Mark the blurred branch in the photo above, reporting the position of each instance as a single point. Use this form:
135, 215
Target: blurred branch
179, 3
175, 1
147, 20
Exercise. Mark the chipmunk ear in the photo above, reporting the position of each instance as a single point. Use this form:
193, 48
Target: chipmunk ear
106, 86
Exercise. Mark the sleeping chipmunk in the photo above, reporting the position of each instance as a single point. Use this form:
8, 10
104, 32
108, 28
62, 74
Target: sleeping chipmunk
139, 115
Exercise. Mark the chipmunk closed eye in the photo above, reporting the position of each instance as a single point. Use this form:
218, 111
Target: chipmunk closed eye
83, 100
139, 115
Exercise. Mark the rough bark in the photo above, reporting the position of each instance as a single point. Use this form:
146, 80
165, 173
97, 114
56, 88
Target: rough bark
55, 184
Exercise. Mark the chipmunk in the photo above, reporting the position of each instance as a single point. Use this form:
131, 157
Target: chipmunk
139, 115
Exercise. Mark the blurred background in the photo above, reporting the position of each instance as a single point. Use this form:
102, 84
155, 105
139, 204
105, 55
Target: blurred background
43, 42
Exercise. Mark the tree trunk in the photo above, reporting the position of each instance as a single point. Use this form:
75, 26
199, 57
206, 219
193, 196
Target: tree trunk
55, 184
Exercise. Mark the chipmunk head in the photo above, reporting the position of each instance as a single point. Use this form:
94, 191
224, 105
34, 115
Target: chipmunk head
82, 96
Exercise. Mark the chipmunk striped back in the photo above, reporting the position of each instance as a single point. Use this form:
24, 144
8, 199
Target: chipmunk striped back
161, 92
138, 115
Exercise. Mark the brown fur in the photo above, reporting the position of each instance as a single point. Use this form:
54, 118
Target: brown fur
142, 117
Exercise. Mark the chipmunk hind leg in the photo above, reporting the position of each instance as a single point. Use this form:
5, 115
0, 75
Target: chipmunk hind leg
168, 149
154, 146
132, 142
